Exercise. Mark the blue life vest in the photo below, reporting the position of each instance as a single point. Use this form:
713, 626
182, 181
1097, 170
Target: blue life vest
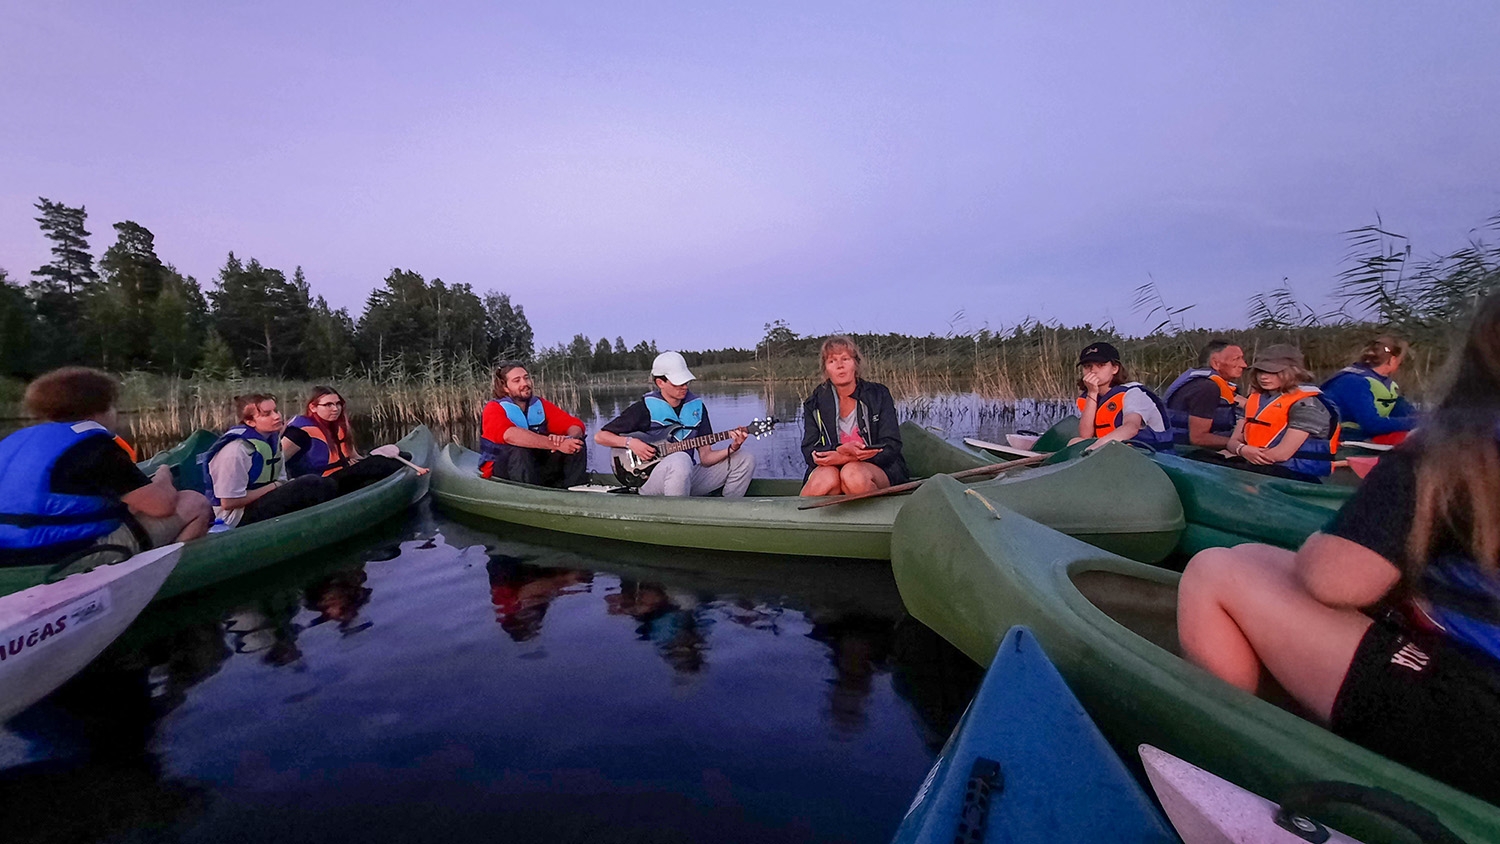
265, 457
1110, 414
533, 419
684, 419
31, 515
320, 457
1223, 418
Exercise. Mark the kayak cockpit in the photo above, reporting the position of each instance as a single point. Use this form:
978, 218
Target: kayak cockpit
1147, 608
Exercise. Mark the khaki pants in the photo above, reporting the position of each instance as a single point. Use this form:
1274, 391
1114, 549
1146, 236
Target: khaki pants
126, 540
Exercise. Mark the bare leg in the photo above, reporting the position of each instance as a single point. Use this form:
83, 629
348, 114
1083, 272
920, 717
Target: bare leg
1241, 609
863, 477
824, 480
196, 515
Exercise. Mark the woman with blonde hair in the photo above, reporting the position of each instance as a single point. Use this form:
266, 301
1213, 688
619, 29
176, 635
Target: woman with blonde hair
851, 438
1287, 428
1386, 625
1369, 400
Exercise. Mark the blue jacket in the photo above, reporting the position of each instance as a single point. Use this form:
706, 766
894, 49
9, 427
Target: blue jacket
1350, 389
32, 515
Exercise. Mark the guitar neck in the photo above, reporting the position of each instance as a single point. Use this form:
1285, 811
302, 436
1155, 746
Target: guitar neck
696, 442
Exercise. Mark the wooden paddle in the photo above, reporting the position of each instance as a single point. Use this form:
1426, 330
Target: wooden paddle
993, 469
394, 453
1000, 449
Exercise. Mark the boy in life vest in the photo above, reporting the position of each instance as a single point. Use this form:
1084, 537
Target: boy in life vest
672, 407
70, 491
525, 438
1287, 428
246, 474
1369, 400
1113, 408
1202, 403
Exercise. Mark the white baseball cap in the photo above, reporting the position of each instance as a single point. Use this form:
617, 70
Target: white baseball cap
671, 366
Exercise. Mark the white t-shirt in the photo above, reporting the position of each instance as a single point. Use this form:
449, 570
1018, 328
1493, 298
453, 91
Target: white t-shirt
1136, 401
230, 471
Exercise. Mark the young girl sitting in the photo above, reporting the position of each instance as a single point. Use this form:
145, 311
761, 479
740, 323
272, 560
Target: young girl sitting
1287, 428
1112, 407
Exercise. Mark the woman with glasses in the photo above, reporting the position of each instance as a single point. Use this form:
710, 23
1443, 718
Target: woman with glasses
318, 442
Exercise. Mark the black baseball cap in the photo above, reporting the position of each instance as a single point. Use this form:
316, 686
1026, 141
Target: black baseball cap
1099, 353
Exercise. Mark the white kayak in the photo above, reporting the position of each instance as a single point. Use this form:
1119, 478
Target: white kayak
48, 633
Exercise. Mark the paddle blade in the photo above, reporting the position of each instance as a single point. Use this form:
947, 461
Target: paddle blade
1361, 466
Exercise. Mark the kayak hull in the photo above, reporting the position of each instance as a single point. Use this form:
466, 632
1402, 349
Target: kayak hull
768, 521
1109, 625
1058, 779
231, 553
49, 632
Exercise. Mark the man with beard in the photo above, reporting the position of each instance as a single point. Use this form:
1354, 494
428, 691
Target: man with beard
526, 438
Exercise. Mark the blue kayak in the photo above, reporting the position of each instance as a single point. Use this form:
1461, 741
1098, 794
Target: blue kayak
1026, 764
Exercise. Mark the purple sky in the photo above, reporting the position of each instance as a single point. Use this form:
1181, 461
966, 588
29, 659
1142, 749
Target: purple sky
686, 172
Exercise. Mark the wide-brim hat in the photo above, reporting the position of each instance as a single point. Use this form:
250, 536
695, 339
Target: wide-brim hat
1278, 358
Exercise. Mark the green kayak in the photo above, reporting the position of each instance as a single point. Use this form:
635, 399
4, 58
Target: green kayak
220, 556
1227, 507
767, 521
970, 568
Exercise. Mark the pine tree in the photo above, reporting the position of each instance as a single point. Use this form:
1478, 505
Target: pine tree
603, 360
509, 331
121, 322
72, 268
262, 316
178, 320
328, 347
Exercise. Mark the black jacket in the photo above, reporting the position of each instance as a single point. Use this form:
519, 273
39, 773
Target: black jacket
875, 412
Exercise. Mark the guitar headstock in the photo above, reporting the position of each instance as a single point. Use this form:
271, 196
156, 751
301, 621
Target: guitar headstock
758, 428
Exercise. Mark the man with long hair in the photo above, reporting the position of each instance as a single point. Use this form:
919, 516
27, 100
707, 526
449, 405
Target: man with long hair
526, 438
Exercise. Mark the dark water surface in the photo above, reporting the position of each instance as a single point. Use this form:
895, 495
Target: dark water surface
456, 682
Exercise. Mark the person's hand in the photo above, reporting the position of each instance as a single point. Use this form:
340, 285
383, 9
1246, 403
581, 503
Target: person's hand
829, 458
557, 441
863, 453
569, 445
1095, 383
737, 439
642, 449
1255, 455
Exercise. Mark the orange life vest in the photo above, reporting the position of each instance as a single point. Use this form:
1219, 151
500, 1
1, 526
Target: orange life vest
1266, 424
1111, 414
321, 456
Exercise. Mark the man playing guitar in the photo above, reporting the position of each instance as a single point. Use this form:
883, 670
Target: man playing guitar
673, 410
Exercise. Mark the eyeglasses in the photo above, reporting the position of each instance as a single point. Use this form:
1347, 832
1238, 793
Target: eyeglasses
329, 404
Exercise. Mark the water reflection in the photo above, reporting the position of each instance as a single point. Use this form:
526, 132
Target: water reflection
522, 593
360, 694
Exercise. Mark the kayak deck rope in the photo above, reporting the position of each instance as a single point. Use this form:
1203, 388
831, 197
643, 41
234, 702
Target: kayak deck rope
985, 501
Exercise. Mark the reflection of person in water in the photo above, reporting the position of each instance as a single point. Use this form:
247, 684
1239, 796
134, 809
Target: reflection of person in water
934, 677
338, 598
677, 632
522, 592
267, 628
859, 647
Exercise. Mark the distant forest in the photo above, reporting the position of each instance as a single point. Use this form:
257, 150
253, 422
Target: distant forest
132, 311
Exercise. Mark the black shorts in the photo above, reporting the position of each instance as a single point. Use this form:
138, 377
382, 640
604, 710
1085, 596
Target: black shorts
1422, 701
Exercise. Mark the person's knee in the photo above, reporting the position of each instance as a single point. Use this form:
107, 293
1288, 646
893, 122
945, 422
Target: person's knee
824, 480
193, 505
856, 479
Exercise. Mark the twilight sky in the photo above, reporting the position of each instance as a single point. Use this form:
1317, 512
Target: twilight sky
690, 171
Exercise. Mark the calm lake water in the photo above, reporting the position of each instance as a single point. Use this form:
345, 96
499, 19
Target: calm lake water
459, 682
468, 681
